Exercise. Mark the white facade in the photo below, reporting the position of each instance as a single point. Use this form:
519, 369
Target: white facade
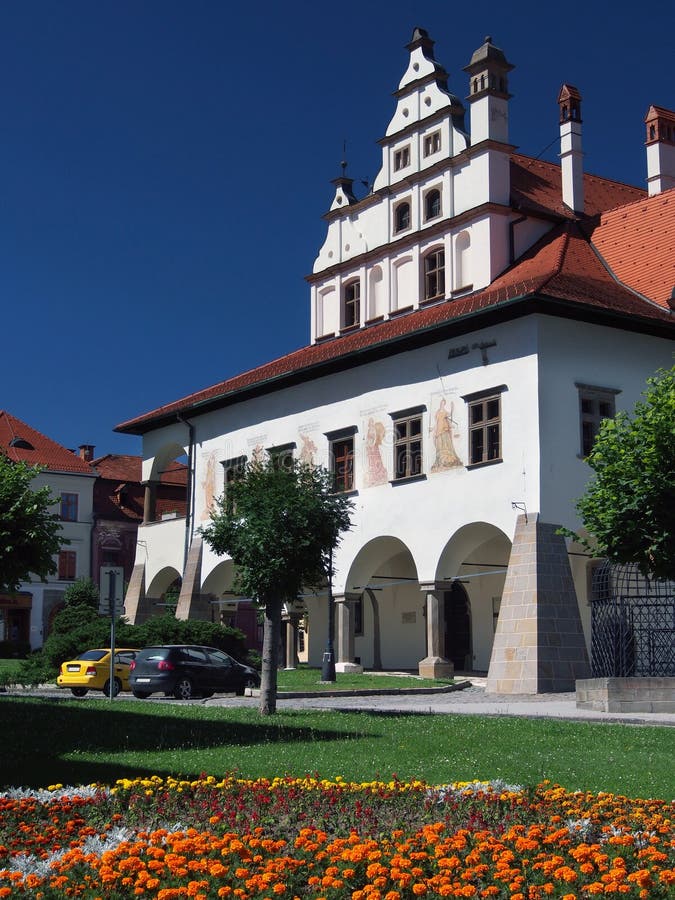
437, 489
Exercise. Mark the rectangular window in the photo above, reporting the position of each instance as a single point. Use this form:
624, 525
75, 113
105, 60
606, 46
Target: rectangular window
432, 143
67, 565
434, 275
282, 456
342, 464
595, 404
401, 158
69, 507
485, 427
233, 471
407, 444
352, 305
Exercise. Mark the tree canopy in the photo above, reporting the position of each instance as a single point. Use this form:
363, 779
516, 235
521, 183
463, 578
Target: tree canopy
278, 522
629, 505
30, 530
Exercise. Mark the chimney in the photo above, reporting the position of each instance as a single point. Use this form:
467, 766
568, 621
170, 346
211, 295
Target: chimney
660, 144
86, 452
571, 157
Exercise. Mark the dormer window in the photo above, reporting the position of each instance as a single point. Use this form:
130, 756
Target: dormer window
434, 275
401, 158
352, 304
432, 143
402, 217
432, 204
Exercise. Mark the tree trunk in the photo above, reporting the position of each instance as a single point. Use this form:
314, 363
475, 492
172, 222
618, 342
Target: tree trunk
270, 657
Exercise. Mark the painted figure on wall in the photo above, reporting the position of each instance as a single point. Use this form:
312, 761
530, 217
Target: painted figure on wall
307, 450
446, 458
209, 486
376, 472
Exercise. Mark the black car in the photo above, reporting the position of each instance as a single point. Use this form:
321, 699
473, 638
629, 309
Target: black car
185, 670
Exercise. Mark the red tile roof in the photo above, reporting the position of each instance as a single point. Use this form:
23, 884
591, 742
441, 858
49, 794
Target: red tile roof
127, 469
20, 442
561, 267
638, 243
536, 186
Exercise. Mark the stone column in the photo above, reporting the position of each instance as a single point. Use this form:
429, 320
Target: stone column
344, 633
149, 501
191, 603
135, 605
435, 665
539, 644
292, 620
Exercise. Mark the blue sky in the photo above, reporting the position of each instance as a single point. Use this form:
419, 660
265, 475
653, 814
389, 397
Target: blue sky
165, 166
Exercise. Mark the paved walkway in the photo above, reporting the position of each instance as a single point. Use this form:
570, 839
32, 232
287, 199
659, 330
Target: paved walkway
471, 700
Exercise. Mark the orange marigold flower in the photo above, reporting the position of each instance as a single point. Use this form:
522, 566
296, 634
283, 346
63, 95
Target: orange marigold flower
419, 888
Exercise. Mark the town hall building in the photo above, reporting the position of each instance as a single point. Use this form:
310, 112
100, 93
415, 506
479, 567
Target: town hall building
474, 317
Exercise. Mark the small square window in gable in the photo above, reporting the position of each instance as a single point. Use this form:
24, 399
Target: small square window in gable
401, 158
432, 143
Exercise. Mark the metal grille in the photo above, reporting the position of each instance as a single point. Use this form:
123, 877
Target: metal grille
632, 624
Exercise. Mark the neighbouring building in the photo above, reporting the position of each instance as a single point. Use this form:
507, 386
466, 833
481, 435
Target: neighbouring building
474, 317
26, 616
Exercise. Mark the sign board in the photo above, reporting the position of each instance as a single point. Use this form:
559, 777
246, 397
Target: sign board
112, 590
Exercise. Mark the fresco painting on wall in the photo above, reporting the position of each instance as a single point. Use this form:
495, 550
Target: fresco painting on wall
375, 469
209, 485
307, 449
444, 431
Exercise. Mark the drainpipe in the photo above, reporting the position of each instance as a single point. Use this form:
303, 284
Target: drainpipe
189, 500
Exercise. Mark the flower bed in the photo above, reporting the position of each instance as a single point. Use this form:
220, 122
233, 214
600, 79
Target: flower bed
311, 838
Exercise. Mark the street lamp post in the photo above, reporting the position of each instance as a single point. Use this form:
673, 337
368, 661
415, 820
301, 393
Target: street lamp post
328, 667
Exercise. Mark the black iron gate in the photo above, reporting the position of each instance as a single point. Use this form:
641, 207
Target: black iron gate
632, 624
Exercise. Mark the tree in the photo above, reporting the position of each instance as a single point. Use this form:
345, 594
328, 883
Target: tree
83, 592
30, 532
279, 523
629, 505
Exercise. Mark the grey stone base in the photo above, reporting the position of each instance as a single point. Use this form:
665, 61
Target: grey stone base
626, 694
354, 668
436, 667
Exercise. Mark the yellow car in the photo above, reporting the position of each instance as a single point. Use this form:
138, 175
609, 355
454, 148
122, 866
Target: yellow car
91, 671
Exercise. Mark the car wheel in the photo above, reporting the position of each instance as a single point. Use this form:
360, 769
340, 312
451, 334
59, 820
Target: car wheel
117, 687
183, 689
248, 683
141, 695
78, 692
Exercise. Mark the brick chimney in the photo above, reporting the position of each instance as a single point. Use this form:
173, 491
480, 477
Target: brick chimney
571, 157
86, 452
660, 144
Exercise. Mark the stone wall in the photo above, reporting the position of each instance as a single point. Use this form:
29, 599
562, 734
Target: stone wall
627, 694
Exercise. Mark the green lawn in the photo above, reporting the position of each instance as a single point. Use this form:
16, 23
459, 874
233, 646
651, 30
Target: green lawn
306, 679
60, 741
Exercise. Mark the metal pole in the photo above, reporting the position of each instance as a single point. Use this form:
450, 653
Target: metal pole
328, 667
111, 600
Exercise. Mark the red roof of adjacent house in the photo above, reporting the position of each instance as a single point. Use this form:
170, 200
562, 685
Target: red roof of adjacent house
21, 443
127, 469
638, 242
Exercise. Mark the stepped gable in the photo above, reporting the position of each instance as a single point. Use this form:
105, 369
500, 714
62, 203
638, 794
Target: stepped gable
637, 241
561, 266
21, 443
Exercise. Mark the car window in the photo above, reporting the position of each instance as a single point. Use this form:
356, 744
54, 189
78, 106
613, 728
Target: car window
124, 657
93, 655
193, 654
222, 659
154, 653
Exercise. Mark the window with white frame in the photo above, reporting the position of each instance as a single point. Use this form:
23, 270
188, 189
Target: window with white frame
434, 274
432, 204
402, 217
351, 304
401, 158
485, 426
595, 405
432, 143
233, 471
408, 460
